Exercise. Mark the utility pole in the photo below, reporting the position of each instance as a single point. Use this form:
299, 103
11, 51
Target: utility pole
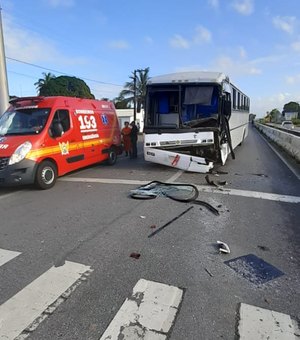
134, 95
4, 98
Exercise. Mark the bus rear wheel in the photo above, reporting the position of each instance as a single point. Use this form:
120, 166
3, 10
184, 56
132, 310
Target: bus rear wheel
46, 175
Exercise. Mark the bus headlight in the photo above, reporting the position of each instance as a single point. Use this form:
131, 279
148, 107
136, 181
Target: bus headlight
20, 153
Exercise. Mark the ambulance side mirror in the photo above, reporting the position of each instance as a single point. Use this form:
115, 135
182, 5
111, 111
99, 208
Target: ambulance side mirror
56, 130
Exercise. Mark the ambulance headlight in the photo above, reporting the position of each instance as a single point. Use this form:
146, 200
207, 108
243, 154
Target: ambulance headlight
20, 153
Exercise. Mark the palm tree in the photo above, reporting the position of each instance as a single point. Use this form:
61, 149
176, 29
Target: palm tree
43, 81
141, 77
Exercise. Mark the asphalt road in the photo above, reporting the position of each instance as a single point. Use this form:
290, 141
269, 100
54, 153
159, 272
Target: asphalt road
88, 218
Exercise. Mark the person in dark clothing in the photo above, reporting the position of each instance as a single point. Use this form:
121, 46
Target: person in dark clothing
133, 138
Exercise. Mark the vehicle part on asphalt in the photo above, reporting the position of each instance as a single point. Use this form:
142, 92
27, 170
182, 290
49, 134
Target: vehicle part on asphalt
253, 268
177, 192
218, 184
223, 247
208, 272
171, 221
208, 206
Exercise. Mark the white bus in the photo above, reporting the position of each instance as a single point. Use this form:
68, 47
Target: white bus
193, 120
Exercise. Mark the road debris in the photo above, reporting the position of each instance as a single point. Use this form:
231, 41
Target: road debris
171, 221
208, 206
208, 272
215, 184
135, 255
187, 193
223, 247
153, 226
260, 175
264, 248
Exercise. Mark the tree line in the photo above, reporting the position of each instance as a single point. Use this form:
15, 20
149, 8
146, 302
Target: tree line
50, 85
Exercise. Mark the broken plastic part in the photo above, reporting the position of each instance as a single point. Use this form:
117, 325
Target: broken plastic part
223, 247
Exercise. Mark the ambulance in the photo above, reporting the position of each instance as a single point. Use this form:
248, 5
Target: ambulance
42, 138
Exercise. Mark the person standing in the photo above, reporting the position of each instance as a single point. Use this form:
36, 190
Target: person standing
126, 138
133, 137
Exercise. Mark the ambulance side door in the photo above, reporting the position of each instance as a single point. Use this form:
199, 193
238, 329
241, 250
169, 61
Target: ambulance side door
69, 153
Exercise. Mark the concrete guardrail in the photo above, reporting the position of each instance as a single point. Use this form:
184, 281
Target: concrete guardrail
289, 142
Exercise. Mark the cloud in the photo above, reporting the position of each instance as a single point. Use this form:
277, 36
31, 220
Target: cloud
203, 35
286, 24
179, 42
60, 3
244, 7
148, 40
296, 46
30, 47
235, 67
242, 52
119, 44
292, 80
214, 3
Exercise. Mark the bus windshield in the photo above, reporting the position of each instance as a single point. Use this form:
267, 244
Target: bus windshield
23, 121
181, 106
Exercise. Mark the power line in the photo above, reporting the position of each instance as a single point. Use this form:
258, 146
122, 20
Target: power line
51, 70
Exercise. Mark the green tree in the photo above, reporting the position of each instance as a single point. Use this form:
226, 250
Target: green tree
43, 81
291, 107
121, 103
142, 77
66, 86
274, 115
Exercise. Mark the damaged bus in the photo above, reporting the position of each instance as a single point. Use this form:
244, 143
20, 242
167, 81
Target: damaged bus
193, 120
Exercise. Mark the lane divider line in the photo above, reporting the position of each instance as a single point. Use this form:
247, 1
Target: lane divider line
24, 311
7, 255
202, 188
149, 313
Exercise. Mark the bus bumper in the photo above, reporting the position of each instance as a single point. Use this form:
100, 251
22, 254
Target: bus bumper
177, 160
18, 174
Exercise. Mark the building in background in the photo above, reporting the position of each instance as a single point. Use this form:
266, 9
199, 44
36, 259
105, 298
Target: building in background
127, 115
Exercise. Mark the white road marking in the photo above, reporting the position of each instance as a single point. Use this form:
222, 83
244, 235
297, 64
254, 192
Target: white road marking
7, 255
202, 188
258, 323
148, 314
175, 176
26, 306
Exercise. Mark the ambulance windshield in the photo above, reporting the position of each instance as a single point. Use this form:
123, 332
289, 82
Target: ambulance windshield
23, 121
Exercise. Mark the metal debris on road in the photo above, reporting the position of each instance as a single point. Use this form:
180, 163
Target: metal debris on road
187, 193
223, 247
208, 272
171, 221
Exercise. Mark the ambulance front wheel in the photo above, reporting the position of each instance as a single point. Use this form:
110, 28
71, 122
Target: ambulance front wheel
112, 157
46, 175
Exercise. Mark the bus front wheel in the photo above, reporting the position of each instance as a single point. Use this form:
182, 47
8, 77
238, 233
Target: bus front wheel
46, 175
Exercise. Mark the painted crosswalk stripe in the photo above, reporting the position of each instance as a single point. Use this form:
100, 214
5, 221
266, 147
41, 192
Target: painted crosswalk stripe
7, 255
148, 314
26, 306
259, 323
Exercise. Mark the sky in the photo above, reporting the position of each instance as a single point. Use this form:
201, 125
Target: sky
255, 42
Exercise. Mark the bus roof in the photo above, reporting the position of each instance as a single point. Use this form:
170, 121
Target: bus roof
189, 77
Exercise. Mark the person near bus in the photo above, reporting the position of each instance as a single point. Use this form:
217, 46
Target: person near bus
126, 138
133, 137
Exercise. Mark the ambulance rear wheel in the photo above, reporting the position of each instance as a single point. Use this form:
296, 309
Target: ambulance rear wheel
112, 157
46, 175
